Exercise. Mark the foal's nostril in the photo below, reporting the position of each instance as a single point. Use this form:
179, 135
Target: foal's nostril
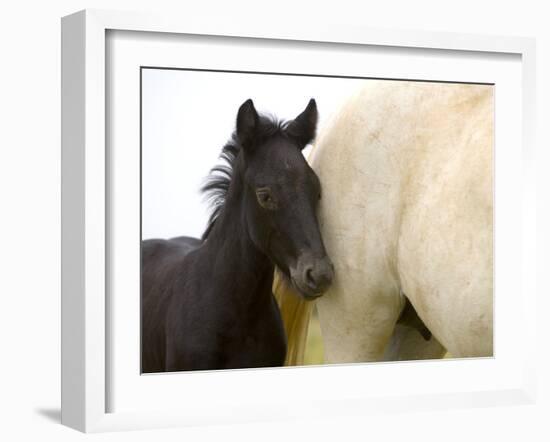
318, 276
310, 280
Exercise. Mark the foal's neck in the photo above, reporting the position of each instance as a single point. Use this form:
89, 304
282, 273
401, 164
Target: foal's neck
242, 270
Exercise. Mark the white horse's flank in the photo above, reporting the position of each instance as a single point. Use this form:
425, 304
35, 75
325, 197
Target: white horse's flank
407, 209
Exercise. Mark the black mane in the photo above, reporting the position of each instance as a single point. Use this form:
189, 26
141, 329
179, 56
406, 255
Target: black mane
217, 183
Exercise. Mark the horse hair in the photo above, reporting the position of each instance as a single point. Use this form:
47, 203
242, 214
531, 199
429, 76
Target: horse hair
217, 182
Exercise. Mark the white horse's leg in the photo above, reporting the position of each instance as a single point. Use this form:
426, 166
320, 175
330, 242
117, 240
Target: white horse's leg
357, 219
359, 311
357, 321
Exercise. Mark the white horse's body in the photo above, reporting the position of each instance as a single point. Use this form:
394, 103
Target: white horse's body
407, 209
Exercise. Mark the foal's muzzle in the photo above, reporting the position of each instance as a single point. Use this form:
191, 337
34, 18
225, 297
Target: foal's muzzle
312, 276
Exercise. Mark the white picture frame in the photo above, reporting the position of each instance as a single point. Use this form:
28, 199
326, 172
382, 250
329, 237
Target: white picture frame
85, 205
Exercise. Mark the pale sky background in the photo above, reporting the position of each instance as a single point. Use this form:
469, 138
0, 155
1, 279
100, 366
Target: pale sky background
188, 116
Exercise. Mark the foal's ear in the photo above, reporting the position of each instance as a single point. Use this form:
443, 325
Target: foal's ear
247, 120
303, 127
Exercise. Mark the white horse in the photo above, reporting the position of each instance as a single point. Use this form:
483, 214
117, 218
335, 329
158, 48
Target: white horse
406, 211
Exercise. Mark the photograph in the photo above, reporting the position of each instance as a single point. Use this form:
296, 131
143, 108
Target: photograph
305, 220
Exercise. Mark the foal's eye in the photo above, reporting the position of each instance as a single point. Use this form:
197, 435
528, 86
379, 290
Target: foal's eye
265, 198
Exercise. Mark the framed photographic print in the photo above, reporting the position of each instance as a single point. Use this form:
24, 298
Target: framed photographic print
264, 223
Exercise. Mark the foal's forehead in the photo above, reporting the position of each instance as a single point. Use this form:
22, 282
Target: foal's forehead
283, 158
